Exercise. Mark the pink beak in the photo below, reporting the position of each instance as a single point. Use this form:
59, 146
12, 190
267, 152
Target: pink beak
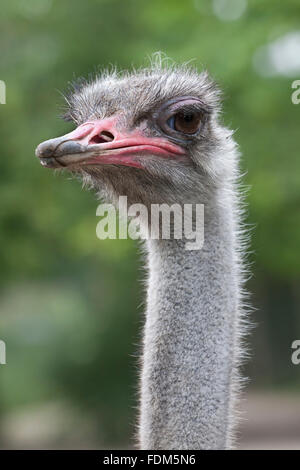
100, 142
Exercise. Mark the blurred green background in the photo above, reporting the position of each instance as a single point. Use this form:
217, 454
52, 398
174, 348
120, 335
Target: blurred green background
70, 304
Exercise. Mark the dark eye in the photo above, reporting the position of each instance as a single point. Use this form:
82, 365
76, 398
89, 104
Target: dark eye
188, 123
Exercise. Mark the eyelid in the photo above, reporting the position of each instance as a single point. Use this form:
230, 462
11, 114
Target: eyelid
188, 103
173, 104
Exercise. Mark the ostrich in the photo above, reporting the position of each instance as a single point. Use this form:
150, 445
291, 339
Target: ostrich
154, 135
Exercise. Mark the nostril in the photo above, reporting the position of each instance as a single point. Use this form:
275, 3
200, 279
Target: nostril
108, 136
101, 138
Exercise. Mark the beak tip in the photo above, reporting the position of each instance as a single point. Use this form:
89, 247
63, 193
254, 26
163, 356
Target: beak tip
43, 150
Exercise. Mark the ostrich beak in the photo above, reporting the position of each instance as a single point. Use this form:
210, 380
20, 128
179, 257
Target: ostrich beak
101, 142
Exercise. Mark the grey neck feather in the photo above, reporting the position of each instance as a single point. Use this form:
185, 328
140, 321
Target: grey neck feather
189, 373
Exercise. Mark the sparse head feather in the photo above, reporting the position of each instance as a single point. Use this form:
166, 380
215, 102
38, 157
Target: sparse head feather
138, 90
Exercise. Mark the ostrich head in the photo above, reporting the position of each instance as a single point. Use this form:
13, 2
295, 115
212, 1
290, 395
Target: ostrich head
152, 134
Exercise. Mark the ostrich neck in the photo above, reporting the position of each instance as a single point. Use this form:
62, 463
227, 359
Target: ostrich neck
190, 338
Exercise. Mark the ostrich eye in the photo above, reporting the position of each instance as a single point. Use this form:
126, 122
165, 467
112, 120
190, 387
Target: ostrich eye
182, 118
188, 123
